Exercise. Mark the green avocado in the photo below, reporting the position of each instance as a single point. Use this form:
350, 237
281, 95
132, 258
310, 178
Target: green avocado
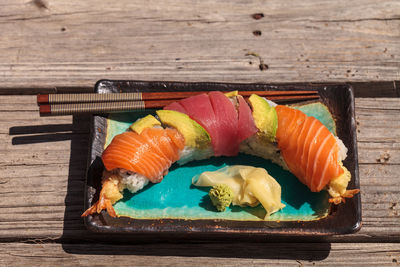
265, 117
145, 122
195, 135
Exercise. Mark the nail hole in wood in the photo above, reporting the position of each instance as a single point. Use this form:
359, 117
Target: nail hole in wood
257, 16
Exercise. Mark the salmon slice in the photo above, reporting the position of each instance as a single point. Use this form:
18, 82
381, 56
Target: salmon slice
303, 145
316, 141
115, 155
296, 128
160, 142
178, 141
309, 149
325, 150
150, 153
129, 151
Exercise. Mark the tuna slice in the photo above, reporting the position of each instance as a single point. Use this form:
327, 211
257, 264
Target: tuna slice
246, 125
175, 106
227, 122
217, 114
199, 108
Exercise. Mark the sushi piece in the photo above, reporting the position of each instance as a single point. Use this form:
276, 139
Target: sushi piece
150, 153
197, 139
133, 159
199, 109
218, 115
246, 125
263, 142
302, 145
308, 148
312, 153
227, 122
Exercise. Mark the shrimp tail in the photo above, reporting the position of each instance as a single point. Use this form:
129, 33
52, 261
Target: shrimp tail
342, 198
109, 194
91, 210
99, 206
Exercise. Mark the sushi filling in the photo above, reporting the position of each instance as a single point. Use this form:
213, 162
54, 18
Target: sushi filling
259, 147
190, 154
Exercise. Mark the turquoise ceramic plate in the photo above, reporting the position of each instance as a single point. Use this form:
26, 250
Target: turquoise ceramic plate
175, 197
176, 201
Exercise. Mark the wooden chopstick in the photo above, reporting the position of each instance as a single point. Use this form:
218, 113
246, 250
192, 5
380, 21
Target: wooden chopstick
126, 106
137, 96
100, 107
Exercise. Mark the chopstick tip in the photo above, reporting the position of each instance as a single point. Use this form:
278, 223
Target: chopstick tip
42, 99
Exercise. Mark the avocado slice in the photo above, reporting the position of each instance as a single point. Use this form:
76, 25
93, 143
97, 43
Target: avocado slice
265, 117
231, 93
145, 122
195, 135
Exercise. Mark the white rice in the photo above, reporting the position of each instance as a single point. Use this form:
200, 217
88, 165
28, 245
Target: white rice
190, 153
133, 182
342, 149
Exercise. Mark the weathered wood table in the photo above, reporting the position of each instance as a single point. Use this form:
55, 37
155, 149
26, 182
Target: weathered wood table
66, 46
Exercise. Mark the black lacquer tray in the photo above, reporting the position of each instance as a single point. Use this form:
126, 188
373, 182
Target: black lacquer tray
342, 219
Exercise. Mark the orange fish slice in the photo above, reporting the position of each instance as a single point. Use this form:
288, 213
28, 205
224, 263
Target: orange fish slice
309, 149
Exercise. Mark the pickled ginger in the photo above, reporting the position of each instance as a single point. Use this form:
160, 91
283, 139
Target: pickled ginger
250, 186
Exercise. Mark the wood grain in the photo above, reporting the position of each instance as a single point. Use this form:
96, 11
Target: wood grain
42, 172
220, 254
76, 43
66, 46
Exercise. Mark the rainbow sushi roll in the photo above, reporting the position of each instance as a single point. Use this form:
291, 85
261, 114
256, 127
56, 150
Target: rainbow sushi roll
217, 124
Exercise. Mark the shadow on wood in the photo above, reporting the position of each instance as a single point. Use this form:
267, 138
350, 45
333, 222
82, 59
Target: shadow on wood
41, 133
294, 251
47, 133
38, 129
77, 133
